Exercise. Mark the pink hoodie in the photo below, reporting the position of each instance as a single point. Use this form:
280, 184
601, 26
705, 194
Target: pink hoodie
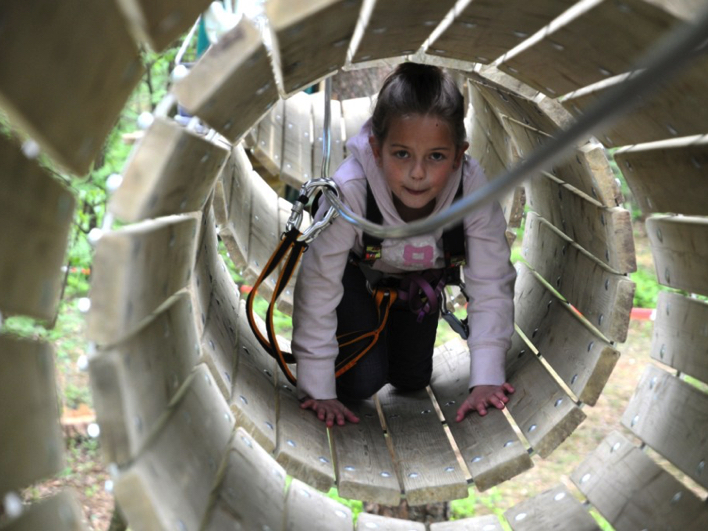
489, 275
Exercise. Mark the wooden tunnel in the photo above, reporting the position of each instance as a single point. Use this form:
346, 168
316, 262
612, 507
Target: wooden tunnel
197, 423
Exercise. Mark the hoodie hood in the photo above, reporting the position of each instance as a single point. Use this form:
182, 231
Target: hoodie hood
358, 147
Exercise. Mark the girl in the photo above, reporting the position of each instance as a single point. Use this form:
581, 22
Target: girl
409, 159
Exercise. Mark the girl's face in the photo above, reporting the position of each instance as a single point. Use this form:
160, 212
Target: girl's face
417, 157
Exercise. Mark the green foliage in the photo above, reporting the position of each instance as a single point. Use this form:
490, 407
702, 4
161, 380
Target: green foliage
75, 395
647, 291
604, 524
283, 323
356, 506
702, 386
490, 501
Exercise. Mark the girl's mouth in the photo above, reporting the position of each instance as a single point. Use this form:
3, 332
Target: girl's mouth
415, 192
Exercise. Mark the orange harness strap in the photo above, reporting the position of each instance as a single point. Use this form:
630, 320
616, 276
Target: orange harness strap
291, 249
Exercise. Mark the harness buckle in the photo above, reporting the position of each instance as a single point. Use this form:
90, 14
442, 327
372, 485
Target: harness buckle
457, 325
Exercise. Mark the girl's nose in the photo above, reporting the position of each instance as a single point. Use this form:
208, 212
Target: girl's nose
418, 171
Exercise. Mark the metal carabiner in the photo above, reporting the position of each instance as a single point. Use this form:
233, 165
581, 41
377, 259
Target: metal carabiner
314, 230
307, 190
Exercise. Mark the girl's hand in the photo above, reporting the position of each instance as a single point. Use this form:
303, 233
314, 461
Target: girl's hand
483, 396
330, 411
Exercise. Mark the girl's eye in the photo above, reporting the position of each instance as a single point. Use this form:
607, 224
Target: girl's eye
401, 154
437, 156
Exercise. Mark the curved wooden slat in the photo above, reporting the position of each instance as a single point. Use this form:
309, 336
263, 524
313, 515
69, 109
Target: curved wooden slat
239, 204
480, 523
302, 445
489, 446
36, 213
681, 334
171, 171
485, 29
253, 404
61, 513
169, 484
232, 85
269, 144
426, 463
159, 23
540, 407
573, 273
363, 460
217, 302
131, 280
393, 28
202, 279
606, 233
603, 41
313, 37
305, 508
632, 492
67, 106
664, 404
31, 447
679, 246
134, 381
555, 508
677, 110
576, 352
506, 98
220, 330
530, 121
355, 112
374, 521
297, 143
646, 166
251, 492
495, 152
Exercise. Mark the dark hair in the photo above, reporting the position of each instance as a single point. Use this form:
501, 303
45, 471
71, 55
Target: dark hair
419, 89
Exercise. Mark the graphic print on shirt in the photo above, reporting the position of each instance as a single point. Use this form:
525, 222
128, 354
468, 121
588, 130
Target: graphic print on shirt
413, 254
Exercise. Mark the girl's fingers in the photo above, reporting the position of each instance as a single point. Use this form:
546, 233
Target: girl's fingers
351, 417
508, 387
463, 410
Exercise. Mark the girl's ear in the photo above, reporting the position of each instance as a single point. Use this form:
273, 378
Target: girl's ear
460, 153
375, 149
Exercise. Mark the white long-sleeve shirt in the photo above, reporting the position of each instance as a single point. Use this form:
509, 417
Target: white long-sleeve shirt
489, 276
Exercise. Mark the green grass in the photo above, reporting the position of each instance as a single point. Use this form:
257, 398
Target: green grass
488, 501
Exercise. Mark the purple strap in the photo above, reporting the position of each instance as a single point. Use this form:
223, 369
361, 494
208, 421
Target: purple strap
411, 288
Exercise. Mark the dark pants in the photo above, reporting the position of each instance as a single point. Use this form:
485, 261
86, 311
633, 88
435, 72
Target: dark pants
403, 355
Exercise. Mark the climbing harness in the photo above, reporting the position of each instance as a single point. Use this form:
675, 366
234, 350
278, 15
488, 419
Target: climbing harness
292, 245
424, 291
